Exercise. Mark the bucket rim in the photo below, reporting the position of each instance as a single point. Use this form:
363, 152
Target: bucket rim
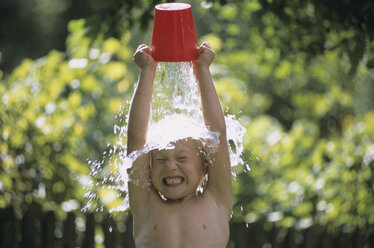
172, 6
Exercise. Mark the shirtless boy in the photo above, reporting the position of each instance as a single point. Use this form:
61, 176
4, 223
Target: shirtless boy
181, 217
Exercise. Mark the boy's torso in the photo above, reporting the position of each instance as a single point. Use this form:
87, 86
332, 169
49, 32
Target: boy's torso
199, 222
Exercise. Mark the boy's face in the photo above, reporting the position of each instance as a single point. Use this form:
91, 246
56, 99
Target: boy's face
176, 173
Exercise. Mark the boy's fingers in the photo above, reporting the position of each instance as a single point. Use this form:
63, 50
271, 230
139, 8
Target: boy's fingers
141, 48
205, 44
200, 50
202, 47
204, 50
147, 50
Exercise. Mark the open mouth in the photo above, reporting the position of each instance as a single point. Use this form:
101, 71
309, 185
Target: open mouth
173, 181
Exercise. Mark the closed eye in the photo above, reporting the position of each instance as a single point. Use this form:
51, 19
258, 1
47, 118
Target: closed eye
160, 160
182, 159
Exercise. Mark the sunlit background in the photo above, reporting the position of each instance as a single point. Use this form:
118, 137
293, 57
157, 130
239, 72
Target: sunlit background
299, 75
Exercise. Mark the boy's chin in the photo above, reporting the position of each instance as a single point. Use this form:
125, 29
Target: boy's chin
172, 197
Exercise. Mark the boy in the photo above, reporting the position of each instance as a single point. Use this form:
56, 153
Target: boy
168, 212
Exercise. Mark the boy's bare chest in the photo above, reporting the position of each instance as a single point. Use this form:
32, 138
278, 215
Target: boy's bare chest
195, 224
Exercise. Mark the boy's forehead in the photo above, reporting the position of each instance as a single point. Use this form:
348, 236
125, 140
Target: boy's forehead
180, 145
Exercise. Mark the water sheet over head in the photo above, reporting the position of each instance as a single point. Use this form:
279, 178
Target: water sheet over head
178, 127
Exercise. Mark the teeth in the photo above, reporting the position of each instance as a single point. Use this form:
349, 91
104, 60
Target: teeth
173, 180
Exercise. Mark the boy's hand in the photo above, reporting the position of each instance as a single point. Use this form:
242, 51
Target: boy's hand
205, 55
143, 58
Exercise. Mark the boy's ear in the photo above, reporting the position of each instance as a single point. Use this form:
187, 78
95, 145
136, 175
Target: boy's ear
205, 172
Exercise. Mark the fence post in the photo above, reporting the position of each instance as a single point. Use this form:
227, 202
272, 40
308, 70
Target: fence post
7, 227
273, 236
48, 230
110, 231
312, 237
89, 235
359, 238
69, 236
128, 239
256, 234
239, 235
28, 230
371, 240
289, 240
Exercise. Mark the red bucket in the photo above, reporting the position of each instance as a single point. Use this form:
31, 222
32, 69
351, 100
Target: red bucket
173, 36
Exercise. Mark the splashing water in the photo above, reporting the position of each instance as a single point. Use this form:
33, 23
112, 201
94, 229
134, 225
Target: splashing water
175, 115
175, 92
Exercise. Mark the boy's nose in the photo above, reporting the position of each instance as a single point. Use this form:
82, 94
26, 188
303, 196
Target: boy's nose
171, 164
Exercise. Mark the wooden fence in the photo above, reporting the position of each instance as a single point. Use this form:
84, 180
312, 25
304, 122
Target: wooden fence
38, 229
267, 235
35, 229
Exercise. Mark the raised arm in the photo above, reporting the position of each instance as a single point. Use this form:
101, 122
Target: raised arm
141, 102
138, 126
219, 171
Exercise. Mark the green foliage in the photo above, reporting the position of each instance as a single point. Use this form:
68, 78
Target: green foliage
56, 112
